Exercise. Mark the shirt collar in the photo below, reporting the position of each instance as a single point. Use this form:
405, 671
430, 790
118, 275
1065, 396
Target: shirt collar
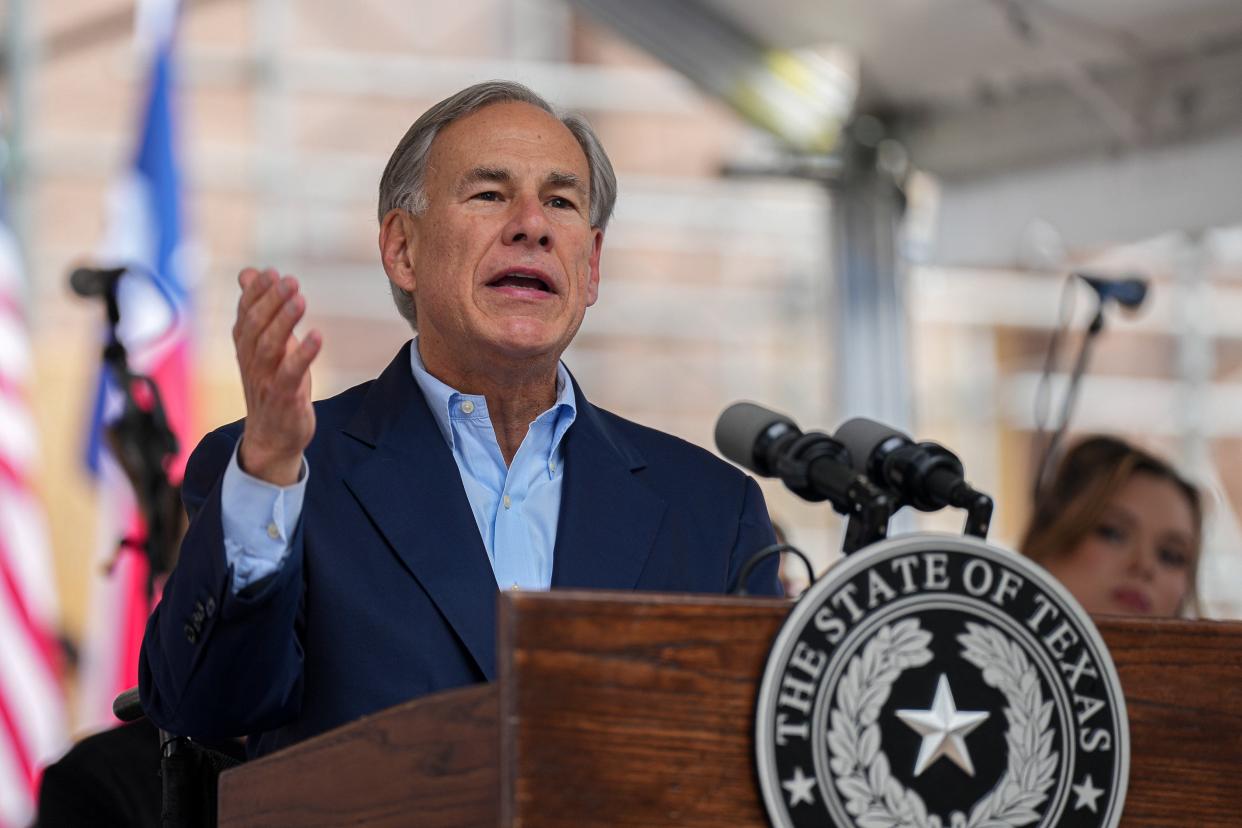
441, 399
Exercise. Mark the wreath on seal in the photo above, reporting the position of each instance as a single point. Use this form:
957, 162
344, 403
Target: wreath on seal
874, 797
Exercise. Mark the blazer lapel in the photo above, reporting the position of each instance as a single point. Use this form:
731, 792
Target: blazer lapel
609, 520
411, 488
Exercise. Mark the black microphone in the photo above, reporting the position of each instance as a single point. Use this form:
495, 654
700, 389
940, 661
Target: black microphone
813, 465
924, 475
95, 281
1129, 291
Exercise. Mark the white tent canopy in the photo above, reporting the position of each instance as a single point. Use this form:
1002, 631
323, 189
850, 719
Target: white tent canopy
1112, 120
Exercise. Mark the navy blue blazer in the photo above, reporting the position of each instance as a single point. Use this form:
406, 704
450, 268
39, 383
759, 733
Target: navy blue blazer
388, 593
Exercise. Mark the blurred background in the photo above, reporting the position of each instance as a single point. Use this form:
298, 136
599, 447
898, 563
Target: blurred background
832, 208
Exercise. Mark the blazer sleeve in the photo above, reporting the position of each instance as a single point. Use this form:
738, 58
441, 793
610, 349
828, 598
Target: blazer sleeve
213, 663
754, 534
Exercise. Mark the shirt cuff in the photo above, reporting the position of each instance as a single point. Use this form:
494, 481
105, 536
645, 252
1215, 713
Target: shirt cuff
259, 520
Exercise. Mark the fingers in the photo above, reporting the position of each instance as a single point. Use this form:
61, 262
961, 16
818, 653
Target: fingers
274, 340
296, 364
252, 313
253, 284
271, 359
269, 308
275, 373
287, 384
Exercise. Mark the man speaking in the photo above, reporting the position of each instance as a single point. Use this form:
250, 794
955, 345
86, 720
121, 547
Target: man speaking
344, 556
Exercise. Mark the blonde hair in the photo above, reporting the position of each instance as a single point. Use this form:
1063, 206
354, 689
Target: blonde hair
1069, 508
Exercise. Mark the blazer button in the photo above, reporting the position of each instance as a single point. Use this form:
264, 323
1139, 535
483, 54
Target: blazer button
210, 607
191, 634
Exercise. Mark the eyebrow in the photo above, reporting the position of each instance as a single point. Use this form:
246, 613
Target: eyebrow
474, 176
557, 178
1176, 536
1117, 511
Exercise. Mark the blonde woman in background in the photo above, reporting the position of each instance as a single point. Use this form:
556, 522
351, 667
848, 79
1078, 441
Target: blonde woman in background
1121, 529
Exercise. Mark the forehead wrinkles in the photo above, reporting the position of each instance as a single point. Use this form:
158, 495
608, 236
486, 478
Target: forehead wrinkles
509, 130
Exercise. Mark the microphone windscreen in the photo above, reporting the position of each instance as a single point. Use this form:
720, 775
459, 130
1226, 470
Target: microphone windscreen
1128, 291
1131, 292
738, 431
85, 282
91, 281
861, 437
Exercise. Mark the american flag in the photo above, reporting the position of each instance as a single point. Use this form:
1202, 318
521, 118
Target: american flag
145, 236
32, 709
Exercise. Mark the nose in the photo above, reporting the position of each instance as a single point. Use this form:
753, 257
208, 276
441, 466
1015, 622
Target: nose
529, 225
1143, 560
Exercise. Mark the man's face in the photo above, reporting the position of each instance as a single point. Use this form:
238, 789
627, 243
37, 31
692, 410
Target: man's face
504, 260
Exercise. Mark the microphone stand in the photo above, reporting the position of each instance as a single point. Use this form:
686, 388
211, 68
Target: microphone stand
867, 507
868, 520
143, 443
1052, 450
978, 507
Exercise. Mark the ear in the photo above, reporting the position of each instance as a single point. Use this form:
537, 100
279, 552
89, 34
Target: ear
397, 243
593, 277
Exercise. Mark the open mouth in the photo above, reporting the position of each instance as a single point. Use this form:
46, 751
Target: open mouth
523, 280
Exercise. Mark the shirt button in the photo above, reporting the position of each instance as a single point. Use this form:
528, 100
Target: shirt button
467, 407
514, 588
272, 531
507, 502
551, 465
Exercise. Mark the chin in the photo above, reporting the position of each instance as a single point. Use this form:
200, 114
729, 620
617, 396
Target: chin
525, 344
1115, 607
526, 337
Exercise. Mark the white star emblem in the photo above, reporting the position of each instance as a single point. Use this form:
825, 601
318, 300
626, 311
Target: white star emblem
799, 788
1087, 794
943, 729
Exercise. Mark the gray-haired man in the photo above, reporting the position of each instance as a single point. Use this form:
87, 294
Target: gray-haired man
345, 555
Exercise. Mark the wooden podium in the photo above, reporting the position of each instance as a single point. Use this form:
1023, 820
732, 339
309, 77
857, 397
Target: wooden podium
631, 709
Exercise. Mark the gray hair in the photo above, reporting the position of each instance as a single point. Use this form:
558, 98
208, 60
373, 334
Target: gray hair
401, 185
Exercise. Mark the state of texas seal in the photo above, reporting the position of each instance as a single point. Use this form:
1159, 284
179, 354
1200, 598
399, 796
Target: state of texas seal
934, 681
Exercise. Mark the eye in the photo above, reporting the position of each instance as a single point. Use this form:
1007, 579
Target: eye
487, 195
1174, 558
1110, 533
561, 203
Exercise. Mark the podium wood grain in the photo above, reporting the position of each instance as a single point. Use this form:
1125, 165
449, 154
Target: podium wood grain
1183, 686
427, 762
636, 710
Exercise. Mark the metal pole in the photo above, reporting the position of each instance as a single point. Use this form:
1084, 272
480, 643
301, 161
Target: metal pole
869, 320
1195, 351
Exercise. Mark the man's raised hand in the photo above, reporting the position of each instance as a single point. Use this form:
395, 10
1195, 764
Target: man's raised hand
275, 373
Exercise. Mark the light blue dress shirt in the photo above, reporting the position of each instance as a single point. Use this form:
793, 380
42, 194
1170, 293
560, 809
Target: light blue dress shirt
516, 508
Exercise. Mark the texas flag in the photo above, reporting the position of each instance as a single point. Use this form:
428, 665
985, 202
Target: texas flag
145, 236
